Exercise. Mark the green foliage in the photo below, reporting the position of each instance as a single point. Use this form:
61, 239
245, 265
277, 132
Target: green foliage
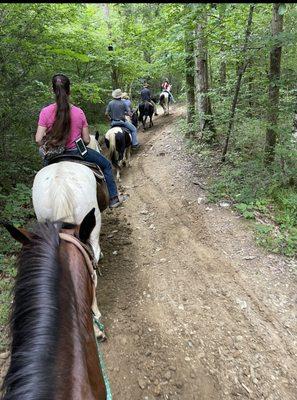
257, 192
17, 210
246, 210
5, 301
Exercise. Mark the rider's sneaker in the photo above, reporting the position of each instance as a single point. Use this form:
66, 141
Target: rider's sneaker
135, 146
156, 114
115, 202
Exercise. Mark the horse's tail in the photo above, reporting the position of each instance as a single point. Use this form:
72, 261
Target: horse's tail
62, 204
140, 109
134, 118
146, 108
93, 143
111, 137
162, 98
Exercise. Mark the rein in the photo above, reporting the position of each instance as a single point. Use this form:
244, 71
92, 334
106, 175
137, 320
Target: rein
89, 259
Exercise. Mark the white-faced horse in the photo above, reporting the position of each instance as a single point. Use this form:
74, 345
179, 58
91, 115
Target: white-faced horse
164, 102
118, 141
67, 191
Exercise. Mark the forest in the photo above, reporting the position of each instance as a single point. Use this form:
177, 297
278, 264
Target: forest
232, 67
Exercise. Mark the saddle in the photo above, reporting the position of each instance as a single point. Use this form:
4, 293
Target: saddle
125, 130
102, 192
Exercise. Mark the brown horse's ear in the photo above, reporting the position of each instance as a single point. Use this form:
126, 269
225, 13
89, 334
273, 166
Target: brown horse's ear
87, 225
19, 234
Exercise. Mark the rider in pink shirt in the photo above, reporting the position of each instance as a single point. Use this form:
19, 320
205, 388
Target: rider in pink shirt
62, 122
78, 122
166, 86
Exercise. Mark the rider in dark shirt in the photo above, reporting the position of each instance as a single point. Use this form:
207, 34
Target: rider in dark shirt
116, 111
145, 95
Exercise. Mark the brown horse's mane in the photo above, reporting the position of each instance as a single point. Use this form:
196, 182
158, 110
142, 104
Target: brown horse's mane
35, 318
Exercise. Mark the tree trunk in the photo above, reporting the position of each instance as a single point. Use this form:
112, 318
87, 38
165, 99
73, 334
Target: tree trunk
240, 73
223, 75
203, 100
295, 124
210, 71
273, 94
114, 72
250, 81
223, 64
190, 81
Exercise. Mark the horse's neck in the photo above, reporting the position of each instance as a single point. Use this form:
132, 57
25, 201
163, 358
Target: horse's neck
77, 356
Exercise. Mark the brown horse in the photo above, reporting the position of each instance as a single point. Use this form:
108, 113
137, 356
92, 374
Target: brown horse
54, 351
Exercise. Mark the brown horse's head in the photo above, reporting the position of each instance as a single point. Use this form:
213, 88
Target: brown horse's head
53, 350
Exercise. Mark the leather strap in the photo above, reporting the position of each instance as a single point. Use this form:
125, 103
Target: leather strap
90, 264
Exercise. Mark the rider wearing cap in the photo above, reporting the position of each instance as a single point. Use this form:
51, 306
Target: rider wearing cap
116, 110
145, 95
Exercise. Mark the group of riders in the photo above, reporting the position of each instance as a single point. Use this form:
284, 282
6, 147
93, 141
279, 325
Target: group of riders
61, 124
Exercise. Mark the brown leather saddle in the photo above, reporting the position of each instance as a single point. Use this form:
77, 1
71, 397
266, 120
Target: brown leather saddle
102, 192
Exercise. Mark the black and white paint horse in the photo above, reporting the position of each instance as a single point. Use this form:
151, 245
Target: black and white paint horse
146, 109
118, 140
164, 101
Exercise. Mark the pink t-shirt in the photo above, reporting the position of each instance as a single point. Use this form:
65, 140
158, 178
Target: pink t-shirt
78, 122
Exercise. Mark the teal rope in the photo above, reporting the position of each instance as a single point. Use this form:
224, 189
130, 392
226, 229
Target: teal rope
102, 363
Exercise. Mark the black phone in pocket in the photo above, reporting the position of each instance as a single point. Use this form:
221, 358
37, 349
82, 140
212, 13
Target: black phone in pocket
81, 147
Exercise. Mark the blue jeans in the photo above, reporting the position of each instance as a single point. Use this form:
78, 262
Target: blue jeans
97, 158
129, 126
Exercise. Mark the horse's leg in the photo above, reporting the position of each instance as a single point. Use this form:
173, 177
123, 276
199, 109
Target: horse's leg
100, 335
128, 155
118, 175
125, 158
95, 234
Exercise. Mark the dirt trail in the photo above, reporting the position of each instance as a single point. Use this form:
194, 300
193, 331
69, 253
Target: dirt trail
192, 308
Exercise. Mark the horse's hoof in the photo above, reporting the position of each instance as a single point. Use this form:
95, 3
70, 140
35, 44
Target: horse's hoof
101, 255
100, 335
101, 338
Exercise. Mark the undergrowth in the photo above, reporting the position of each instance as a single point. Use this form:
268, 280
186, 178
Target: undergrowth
268, 196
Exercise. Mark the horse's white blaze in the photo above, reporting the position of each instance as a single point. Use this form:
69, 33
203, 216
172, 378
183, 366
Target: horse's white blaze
67, 191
